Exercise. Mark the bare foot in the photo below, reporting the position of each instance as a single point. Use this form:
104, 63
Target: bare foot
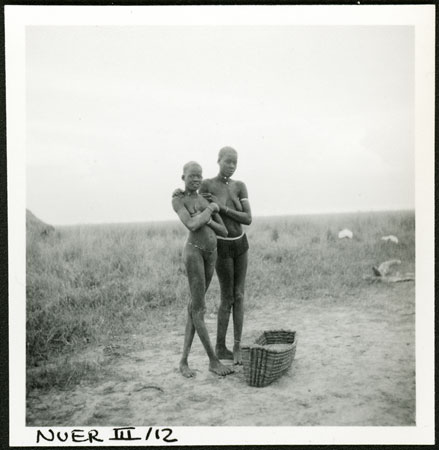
223, 353
185, 371
220, 369
237, 358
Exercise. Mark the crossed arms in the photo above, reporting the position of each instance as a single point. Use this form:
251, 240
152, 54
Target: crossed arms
208, 217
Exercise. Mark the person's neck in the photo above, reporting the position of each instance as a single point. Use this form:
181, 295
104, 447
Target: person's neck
224, 179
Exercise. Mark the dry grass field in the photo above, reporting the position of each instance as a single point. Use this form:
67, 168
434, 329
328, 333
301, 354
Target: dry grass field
106, 313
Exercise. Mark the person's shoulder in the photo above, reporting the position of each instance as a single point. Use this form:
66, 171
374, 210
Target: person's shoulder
177, 202
205, 185
239, 184
206, 182
240, 189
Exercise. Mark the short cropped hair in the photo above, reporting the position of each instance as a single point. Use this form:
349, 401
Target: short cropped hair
225, 150
190, 164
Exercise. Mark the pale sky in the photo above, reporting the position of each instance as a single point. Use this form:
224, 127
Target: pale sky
322, 117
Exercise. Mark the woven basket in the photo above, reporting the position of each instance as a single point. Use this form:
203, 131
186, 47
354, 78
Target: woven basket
263, 362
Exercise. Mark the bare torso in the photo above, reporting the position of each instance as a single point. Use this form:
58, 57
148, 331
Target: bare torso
204, 237
229, 195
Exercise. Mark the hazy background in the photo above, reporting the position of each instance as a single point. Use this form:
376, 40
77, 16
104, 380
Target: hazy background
322, 117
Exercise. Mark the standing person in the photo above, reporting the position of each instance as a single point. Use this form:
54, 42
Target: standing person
202, 220
231, 267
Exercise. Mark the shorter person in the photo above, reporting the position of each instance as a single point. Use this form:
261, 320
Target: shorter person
202, 220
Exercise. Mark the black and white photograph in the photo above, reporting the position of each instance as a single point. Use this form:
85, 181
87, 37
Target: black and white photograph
221, 217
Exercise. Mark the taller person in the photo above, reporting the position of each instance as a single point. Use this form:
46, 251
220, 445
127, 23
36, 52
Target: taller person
231, 266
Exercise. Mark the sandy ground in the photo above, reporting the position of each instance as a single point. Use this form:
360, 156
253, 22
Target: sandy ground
354, 365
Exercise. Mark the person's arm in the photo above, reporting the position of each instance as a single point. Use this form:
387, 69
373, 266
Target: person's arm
244, 216
196, 222
217, 225
245, 203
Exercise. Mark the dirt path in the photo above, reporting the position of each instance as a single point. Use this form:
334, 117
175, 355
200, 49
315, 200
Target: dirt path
355, 365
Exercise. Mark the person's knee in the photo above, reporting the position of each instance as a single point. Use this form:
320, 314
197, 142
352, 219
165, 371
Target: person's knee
198, 312
239, 297
227, 300
226, 307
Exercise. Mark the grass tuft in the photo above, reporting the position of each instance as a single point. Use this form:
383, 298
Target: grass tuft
62, 375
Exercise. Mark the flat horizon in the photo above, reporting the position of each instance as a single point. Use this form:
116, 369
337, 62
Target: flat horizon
272, 216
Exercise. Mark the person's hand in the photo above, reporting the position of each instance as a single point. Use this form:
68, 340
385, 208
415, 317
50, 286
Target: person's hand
210, 197
178, 193
214, 207
213, 199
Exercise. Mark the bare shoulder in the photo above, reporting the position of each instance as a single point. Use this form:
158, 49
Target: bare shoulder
205, 185
178, 203
241, 188
239, 184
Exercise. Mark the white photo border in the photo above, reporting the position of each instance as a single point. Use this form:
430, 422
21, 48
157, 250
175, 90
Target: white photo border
422, 17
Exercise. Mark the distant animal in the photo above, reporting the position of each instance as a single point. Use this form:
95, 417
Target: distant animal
37, 226
376, 272
384, 268
345, 234
383, 273
390, 238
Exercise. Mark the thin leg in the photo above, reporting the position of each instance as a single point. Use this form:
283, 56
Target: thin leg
238, 305
188, 339
224, 270
189, 334
195, 266
209, 268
